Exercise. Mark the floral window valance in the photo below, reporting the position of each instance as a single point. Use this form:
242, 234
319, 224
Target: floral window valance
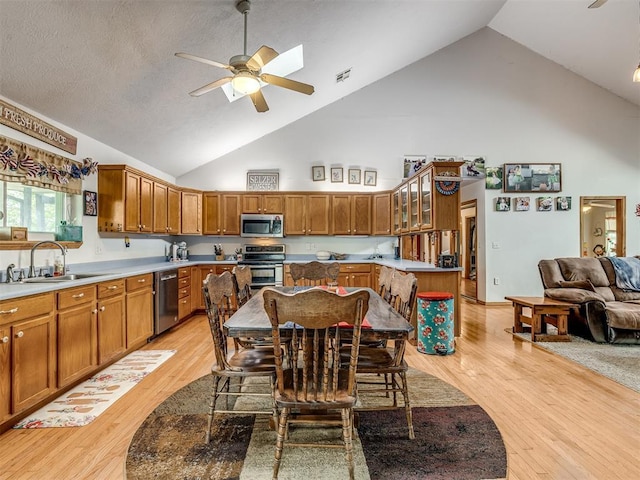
20, 162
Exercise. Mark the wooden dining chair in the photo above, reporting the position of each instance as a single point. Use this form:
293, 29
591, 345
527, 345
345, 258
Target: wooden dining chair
239, 364
242, 278
316, 381
388, 362
384, 282
314, 273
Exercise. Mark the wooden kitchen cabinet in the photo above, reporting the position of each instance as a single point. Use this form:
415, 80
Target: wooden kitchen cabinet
396, 212
166, 209
262, 203
139, 309
5, 372
184, 292
355, 275
77, 333
381, 216
28, 351
125, 200
112, 333
191, 213
414, 205
307, 214
439, 211
221, 213
351, 214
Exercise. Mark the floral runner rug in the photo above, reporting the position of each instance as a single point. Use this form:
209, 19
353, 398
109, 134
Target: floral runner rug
82, 404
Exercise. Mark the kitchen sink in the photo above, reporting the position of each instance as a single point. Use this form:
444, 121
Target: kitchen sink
62, 278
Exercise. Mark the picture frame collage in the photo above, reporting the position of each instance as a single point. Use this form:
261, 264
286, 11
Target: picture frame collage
539, 204
354, 176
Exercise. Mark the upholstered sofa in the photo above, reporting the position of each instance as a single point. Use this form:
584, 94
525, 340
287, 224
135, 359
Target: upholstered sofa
606, 313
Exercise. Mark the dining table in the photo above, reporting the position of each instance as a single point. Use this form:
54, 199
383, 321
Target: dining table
381, 322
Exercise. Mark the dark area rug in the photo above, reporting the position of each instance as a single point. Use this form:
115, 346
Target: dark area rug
460, 443
455, 440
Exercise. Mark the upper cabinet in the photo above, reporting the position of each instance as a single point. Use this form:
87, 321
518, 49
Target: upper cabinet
166, 209
381, 214
221, 213
125, 200
191, 218
262, 203
306, 214
351, 214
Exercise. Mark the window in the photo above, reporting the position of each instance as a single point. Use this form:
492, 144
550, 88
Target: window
38, 209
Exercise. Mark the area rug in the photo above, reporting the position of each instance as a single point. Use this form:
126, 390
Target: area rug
617, 362
82, 404
455, 440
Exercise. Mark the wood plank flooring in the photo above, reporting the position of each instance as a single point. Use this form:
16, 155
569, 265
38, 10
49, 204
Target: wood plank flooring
558, 420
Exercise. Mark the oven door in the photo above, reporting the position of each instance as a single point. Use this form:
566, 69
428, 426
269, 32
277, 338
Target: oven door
266, 275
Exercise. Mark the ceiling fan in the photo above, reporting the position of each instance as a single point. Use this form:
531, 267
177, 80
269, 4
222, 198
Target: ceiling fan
597, 4
247, 72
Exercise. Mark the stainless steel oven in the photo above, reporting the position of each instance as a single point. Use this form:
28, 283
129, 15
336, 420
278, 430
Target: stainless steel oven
266, 263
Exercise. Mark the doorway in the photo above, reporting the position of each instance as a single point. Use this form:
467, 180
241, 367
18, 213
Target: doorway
468, 261
602, 227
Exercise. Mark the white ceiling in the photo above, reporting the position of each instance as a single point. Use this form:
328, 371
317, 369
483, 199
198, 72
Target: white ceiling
107, 69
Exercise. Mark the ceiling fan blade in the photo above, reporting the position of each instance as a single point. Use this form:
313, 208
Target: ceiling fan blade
211, 86
263, 56
195, 58
287, 83
259, 102
597, 3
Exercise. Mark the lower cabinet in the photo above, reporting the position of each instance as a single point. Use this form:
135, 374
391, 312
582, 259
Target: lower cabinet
355, 275
184, 292
112, 337
139, 316
27, 352
77, 333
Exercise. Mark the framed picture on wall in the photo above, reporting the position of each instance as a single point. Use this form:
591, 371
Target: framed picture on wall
522, 204
503, 204
90, 203
413, 164
544, 204
354, 175
563, 203
532, 177
337, 175
370, 178
493, 178
317, 173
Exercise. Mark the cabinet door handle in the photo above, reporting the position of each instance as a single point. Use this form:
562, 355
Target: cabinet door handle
112, 287
20, 334
94, 311
5, 312
142, 280
5, 339
103, 308
77, 295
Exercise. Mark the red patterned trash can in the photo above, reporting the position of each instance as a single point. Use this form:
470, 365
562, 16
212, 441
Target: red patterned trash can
435, 323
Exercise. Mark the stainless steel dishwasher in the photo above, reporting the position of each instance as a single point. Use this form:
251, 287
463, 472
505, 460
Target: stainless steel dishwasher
166, 300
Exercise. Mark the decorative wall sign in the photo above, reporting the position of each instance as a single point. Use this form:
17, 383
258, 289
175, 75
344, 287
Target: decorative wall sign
29, 165
24, 122
263, 181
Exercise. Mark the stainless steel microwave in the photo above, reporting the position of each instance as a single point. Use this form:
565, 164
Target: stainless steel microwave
253, 225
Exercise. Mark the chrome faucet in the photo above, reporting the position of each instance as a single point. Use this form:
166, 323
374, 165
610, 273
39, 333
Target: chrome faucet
32, 269
10, 273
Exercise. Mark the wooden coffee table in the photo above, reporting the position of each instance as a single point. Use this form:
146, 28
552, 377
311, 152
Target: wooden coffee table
543, 311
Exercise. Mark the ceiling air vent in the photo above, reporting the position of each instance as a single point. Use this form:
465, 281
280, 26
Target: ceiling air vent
342, 76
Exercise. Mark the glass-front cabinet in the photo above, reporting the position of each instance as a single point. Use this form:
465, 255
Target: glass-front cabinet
404, 208
426, 217
414, 208
395, 212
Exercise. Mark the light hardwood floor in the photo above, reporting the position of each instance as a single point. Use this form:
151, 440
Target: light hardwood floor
558, 420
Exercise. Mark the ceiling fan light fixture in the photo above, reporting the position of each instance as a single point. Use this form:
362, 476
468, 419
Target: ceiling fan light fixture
636, 74
245, 83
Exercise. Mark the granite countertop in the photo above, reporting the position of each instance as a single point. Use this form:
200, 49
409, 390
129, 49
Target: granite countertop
114, 270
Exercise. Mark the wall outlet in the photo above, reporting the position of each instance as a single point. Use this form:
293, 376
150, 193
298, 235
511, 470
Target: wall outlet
98, 248
495, 246
308, 245
496, 281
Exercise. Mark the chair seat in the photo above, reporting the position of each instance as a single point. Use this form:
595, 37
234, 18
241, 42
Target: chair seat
251, 360
287, 398
373, 360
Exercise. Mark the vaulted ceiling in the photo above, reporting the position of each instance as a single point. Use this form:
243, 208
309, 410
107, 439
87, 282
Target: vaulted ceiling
107, 69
